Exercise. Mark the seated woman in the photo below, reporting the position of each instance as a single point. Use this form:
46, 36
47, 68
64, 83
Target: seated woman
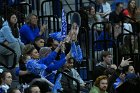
9, 36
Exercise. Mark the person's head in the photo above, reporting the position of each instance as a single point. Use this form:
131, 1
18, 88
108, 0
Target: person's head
107, 57
101, 82
131, 4
6, 78
12, 19
55, 44
119, 7
39, 41
44, 51
69, 63
117, 30
109, 71
76, 20
34, 89
13, 90
30, 50
42, 84
32, 19
91, 10
129, 69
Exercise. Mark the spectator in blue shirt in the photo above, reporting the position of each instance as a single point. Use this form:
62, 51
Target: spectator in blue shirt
30, 30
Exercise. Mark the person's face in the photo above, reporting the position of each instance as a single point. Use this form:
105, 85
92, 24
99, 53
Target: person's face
70, 64
120, 8
117, 30
131, 69
55, 44
35, 90
108, 59
132, 4
103, 85
13, 19
74, 26
8, 79
34, 54
92, 11
40, 43
34, 20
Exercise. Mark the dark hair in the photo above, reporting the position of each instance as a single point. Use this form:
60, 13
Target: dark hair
30, 87
118, 3
12, 90
14, 28
43, 86
129, 8
3, 74
105, 53
38, 38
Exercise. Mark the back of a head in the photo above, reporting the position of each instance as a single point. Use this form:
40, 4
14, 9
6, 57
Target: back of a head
76, 18
28, 49
44, 51
43, 86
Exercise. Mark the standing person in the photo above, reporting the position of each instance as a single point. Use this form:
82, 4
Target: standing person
100, 85
6, 80
10, 37
30, 30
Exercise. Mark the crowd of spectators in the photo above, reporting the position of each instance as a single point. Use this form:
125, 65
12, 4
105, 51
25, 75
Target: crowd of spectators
39, 60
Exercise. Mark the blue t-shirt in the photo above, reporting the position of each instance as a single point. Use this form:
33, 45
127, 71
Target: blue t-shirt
28, 34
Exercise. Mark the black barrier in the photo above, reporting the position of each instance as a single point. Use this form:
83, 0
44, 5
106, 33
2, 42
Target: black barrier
69, 14
70, 77
105, 41
134, 55
84, 43
14, 59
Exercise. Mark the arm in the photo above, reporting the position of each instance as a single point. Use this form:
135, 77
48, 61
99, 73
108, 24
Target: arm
21, 72
7, 33
34, 67
58, 64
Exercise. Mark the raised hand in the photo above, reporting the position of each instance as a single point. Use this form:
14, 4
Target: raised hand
125, 62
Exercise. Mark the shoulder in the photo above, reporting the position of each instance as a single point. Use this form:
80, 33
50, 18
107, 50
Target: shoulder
94, 89
25, 27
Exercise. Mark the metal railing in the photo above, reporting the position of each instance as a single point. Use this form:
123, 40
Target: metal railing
14, 59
